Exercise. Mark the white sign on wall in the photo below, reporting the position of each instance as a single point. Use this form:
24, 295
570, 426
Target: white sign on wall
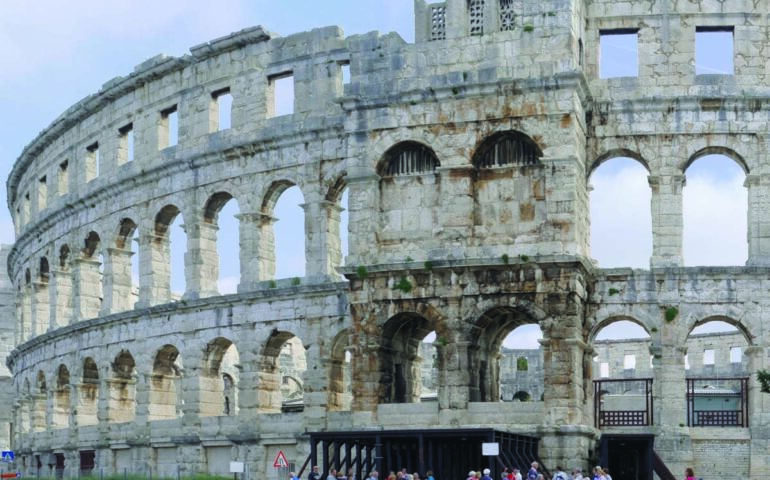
490, 449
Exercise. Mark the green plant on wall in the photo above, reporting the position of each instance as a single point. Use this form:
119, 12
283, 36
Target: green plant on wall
505, 259
362, 272
614, 291
403, 285
671, 314
763, 377
428, 265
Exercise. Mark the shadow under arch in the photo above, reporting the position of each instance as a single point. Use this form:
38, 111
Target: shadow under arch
486, 337
717, 150
613, 154
339, 387
122, 386
271, 369
407, 157
399, 356
220, 358
508, 147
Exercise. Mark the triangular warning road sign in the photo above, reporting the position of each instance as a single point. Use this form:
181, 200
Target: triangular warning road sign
280, 460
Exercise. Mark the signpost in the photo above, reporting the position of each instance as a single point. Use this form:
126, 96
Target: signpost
8, 456
280, 460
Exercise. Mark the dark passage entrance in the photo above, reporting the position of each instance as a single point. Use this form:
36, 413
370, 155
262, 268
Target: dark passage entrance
628, 456
449, 453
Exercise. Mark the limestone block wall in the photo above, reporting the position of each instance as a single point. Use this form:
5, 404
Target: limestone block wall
465, 157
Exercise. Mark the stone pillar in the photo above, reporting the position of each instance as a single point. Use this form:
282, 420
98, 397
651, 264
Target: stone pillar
201, 260
323, 250
87, 294
315, 381
672, 440
362, 224
154, 270
189, 392
25, 300
758, 219
249, 239
248, 383
666, 205
143, 399
266, 247
759, 412
117, 282
40, 308
103, 407
60, 291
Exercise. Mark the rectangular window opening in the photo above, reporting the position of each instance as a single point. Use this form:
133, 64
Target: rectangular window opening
126, 144
629, 362
223, 108
686, 362
281, 100
736, 354
92, 161
708, 357
62, 181
714, 50
619, 53
42, 193
604, 370
168, 136
345, 66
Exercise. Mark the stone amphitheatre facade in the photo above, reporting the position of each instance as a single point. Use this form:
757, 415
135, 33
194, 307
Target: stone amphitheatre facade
466, 158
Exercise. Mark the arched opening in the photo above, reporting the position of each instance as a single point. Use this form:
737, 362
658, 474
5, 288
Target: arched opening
62, 405
88, 394
717, 374
221, 225
509, 191
90, 277
219, 379
337, 225
408, 158
339, 387
521, 364
169, 246
164, 384
621, 220
42, 302
715, 205
493, 360
282, 368
286, 238
622, 372
122, 399
430, 366
39, 402
123, 265
401, 363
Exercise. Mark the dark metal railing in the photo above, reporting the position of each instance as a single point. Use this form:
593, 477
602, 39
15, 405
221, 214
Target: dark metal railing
634, 403
718, 402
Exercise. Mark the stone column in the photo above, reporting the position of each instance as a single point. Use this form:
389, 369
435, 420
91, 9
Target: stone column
362, 223
189, 393
117, 282
315, 380
249, 239
60, 299
103, 407
40, 308
666, 205
266, 247
25, 300
154, 270
201, 260
672, 440
758, 186
323, 251
87, 293
143, 399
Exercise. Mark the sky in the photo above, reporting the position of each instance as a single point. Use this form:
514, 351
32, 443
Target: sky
54, 53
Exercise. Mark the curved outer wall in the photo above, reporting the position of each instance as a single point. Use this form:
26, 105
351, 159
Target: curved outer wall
134, 374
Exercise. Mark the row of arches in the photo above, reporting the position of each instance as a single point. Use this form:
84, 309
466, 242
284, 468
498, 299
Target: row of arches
211, 382
712, 220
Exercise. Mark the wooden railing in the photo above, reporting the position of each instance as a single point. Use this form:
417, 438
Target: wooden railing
717, 402
633, 398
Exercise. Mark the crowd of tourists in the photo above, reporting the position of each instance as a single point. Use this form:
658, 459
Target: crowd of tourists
597, 473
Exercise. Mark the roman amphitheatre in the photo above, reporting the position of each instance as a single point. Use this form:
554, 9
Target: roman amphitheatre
456, 170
